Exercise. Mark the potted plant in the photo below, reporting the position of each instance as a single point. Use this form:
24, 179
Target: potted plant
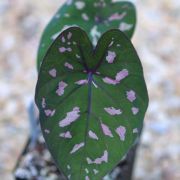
90, 93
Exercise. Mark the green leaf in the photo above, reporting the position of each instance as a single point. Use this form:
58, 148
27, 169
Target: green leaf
92, 101
95, 17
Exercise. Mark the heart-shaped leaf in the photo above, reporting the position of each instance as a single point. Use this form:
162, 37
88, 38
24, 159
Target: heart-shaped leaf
95, 17
92, 102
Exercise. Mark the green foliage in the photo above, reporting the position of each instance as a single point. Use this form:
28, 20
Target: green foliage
92, 102
95, 17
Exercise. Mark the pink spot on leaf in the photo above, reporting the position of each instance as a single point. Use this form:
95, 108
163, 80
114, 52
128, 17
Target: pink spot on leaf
93, 135
111, 57
112, 111
63, 39
69, 66
69, 49
77, 147
95, 171
103, 158
87, 171
131, 95
43, 103
119, 76
61, 87
125, 26
117, 16
89, 161
95, 85
69, 35
49, 113
77, 56
106, 130
47, 131
66, 135
122, 74
87, 178
63, 49
108, 80
52, 73
85, 16
134, 110
135, 130
82, 82
112, 42
70, 117
121, 131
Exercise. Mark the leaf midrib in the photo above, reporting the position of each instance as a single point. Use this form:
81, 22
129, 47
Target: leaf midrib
90, 79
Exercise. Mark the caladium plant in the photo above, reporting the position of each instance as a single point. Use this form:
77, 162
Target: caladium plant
92, 101
94, 16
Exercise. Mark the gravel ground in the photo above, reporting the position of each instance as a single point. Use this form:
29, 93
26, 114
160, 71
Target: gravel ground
156, 39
